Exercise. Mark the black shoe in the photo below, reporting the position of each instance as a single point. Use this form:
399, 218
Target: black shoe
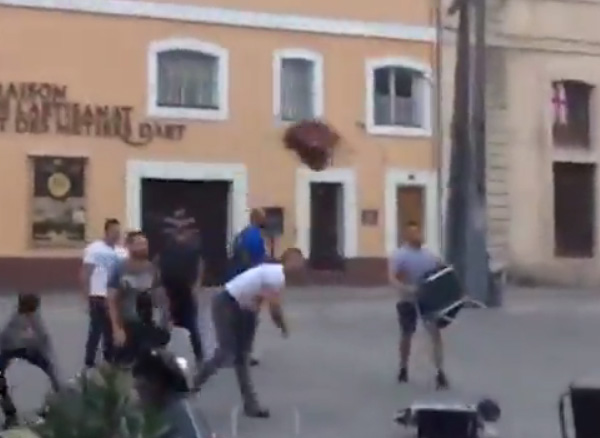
254, 362
441, 381
403, 375
256, 412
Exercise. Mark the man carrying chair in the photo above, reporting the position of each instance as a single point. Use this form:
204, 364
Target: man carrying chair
408, 267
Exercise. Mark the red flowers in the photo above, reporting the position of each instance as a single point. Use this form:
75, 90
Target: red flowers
313, 141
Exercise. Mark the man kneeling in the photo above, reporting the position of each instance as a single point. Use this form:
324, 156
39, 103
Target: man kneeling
234, 324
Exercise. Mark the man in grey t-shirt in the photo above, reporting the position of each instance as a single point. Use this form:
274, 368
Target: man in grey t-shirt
407, 268
134, 295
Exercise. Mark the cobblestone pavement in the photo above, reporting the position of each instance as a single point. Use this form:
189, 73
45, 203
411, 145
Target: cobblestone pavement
335, 376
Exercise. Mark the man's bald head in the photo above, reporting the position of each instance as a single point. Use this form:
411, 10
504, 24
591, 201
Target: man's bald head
257, 217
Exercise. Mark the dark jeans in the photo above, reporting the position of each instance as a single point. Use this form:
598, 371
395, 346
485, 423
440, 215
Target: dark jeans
234, 330
99, 328
251, 317
184, 313
35, 358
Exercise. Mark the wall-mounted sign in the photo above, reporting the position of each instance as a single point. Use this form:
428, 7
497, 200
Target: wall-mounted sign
41, 108
369, 218
58, 202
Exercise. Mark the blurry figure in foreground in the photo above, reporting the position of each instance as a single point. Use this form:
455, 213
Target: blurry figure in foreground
162, 382
25, 337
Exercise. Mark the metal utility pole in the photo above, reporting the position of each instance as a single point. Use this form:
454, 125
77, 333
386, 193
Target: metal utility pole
478, 279
456, 216
467, 214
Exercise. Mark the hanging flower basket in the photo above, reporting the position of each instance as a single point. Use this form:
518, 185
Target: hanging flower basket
313, 141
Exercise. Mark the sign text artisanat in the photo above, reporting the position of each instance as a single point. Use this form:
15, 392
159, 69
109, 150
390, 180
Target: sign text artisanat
42, 108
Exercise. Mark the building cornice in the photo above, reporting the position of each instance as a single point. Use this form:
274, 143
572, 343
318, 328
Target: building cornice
230, 17
533, 43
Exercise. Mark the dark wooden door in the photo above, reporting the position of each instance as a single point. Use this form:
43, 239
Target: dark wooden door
204, 201
574, 209
410, 207
326, 231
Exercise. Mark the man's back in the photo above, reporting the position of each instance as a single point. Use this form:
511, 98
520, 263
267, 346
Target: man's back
248, 250
179, 261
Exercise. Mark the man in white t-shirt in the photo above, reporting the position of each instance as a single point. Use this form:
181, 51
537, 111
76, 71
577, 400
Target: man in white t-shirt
99, 260
234, 326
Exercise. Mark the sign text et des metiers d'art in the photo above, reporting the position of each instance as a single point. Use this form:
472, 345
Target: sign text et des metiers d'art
41, 108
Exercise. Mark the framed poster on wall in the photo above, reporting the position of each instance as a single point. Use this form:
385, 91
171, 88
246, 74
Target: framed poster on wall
58, 203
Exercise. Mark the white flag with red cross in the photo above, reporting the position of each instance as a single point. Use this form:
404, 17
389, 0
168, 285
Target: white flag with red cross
559, 103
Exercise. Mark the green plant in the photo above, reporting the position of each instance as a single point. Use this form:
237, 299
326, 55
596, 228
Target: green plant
101, 405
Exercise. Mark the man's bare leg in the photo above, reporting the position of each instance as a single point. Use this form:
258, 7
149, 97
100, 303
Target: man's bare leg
437, 346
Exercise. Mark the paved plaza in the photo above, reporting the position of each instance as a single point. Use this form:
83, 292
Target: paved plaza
336, 374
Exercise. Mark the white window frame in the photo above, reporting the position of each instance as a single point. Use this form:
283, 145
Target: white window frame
426, 96
318, 83
222, 55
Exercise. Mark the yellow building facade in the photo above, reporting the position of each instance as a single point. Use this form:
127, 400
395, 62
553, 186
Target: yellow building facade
138, 110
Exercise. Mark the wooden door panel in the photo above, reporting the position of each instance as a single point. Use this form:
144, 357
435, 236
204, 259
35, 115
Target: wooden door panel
410, 206
205, 202
324, 221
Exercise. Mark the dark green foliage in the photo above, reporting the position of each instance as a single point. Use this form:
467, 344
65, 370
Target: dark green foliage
102, 405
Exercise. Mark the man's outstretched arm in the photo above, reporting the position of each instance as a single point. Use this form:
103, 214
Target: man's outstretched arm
277, 314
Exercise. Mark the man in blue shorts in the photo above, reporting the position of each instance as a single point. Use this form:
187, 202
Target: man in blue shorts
407, 267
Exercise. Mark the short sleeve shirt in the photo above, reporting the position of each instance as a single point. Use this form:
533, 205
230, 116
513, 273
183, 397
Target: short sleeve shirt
104, 259
249, 287
130, 281
414, 263
179, 261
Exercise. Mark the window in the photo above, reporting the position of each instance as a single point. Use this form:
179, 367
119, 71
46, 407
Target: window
298, 85
398, 98
574, 207
571, 101
187, 79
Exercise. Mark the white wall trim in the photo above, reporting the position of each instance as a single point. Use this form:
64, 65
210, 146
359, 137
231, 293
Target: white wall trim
318, 86
157, 47
426, 97
395, 177
229, 17
344, 176
237, 174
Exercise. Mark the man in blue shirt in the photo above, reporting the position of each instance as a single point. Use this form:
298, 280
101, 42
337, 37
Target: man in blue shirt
248, 250
249, 245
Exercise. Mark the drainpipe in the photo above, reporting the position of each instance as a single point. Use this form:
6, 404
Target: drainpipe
438, 127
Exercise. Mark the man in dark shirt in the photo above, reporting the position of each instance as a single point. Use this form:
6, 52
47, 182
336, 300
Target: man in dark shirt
181, 266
